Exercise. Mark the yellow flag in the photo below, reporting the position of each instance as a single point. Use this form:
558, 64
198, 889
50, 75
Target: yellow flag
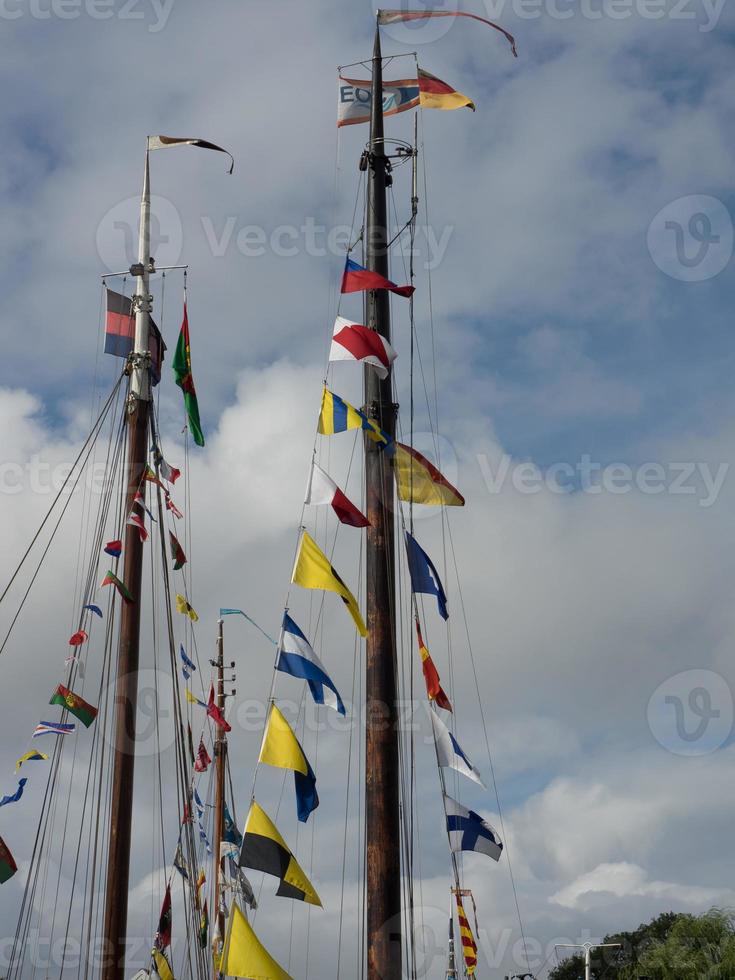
33, 754
183, 606
162, 967
192, 699
420, 482
280, 746
265, 850
281, 749
245, 955
313, 571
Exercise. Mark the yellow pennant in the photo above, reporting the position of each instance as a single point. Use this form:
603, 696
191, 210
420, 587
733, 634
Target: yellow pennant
245, 955
313, 571
183, 606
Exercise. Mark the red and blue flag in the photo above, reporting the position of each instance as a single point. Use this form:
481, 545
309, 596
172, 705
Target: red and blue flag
357, 278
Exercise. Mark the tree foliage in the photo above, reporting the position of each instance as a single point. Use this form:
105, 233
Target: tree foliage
672, 946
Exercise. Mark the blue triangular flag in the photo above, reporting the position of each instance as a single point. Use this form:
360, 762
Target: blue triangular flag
16, 795
424, 577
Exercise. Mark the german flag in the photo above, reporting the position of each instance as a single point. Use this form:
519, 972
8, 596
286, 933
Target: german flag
263, 849
436, 94
469, 946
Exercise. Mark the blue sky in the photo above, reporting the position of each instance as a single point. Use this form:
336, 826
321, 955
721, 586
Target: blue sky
558, 338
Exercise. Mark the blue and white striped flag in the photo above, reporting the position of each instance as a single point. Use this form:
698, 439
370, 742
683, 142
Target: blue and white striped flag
296, 657
53, 728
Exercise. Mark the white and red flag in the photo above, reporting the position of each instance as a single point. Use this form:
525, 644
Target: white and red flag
137, 520
354, 342
323, 490
202, 761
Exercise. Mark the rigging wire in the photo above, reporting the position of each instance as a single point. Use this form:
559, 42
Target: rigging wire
86, 447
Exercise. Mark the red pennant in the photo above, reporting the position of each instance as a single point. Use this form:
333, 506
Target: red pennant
215, 714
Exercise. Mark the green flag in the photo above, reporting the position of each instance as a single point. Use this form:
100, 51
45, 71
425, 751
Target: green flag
185, 381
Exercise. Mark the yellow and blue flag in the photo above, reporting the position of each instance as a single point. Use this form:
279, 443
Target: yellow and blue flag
281, 749
31, 756
338, 415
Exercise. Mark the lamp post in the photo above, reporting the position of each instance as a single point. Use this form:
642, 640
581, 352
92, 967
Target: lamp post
587, 947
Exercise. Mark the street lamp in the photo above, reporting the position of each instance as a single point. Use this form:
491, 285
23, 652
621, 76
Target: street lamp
587, 947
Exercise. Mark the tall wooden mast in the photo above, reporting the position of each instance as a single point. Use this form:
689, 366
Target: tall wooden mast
220, 759
126, 691
382, 826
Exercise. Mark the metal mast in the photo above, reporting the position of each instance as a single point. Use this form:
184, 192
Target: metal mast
382, 817
451, 961
126, 691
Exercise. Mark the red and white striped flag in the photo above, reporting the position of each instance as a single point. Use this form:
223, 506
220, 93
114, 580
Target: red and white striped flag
354, 342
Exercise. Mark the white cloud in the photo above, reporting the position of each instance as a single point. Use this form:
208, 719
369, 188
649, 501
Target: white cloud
625, 880
578, 606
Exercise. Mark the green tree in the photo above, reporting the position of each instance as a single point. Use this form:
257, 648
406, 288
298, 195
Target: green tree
673, 946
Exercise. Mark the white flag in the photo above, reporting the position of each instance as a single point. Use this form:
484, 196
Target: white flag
469, 832
449, 752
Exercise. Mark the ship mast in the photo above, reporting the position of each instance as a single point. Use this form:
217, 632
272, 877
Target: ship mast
220, 760
126, 691
382, 817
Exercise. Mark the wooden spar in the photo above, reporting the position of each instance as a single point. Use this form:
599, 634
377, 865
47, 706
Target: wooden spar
382, 827
220, 760
126, 691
